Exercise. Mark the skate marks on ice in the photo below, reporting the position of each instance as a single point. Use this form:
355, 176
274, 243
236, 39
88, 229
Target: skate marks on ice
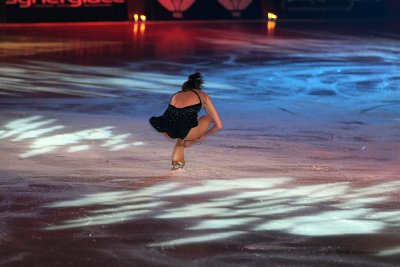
32, 78
212, 210
46, 136
244, 66
321, 65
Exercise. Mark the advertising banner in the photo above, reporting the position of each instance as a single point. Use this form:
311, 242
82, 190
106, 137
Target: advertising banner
64, 10
203, 9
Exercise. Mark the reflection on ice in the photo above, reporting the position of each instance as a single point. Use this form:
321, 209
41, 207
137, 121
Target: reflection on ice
390, 251
222, 223
73, 149
378, 189
115, 140
216, 185
341, 222
24, 126
142, 206
36, 133
360, 202
36, 127
294, 67
391, 216
232, 207
91, 81
192, 211
99, 220
117, 198
197, 239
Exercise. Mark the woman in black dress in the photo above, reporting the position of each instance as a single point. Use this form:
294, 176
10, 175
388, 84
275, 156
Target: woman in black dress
180, 121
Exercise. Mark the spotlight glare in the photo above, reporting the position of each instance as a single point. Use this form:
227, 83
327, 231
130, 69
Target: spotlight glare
143, 18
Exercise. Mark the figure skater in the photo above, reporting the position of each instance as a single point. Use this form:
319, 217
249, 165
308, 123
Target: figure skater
180, 121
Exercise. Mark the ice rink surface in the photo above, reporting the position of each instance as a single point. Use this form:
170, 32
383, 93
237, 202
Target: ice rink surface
305, 172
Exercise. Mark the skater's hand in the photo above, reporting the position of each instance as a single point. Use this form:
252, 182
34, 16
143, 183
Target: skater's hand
194, 141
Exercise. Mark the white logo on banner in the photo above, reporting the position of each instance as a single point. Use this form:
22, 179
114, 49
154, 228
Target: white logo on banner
235, 6
177, 7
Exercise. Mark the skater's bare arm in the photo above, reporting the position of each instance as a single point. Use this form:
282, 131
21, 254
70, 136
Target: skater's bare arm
212, 112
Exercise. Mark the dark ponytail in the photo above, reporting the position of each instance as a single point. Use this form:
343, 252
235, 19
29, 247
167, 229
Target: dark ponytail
194, 81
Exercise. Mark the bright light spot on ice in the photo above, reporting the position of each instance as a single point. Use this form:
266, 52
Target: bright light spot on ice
73, 149
197, 239
246, 205
31, 128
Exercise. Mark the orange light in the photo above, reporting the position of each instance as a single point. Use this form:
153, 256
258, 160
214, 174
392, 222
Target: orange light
271, 26
142, 28
143, 18
272, 16
136, 17
139, 29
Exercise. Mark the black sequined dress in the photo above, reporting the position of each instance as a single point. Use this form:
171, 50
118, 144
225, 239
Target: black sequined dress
177, 122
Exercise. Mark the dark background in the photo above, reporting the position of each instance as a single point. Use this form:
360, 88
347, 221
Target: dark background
206, 9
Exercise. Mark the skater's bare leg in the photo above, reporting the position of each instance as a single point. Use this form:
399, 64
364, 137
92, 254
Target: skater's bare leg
178, 155
197, 132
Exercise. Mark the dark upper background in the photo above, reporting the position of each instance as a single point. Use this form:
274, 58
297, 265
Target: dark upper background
204, 9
